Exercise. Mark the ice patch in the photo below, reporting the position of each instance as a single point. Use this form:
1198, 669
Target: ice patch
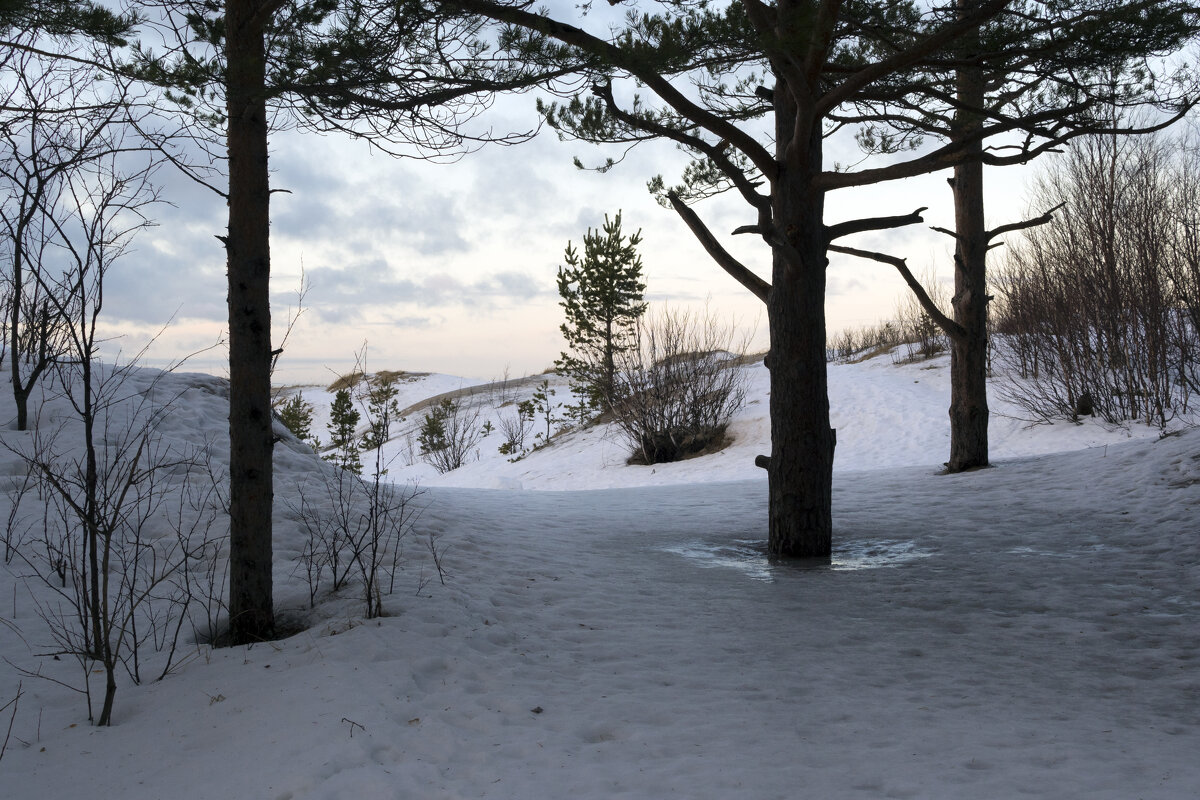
749, 556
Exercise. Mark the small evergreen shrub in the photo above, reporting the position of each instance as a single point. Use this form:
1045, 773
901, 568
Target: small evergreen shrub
296, 414
343, 440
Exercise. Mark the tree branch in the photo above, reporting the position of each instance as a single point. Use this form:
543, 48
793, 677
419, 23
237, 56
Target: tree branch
1020, 226
951, 327
715, 153
833, 232
848, 88
822, 39
766, 229
727, 262
647, 73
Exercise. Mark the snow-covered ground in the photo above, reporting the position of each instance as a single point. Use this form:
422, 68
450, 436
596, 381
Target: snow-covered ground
886, 415
1028, 630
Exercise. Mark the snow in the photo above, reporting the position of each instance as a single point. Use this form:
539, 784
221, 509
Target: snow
1027, 630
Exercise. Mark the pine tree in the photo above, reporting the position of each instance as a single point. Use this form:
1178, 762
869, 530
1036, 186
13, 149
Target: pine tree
405, 76
432, 437
343, 419
601, 295
752, 90
382, 412
296, 415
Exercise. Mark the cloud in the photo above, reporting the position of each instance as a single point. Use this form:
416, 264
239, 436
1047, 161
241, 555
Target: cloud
399, 321
363, 219
840, 285
351, 294
357, 205
177, 270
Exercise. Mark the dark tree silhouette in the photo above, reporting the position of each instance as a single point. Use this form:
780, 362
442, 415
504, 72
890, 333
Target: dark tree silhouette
400, 74
752, 90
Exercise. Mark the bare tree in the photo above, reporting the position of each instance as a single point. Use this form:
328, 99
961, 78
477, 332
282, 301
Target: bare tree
1099, 304
104, 473
56, 122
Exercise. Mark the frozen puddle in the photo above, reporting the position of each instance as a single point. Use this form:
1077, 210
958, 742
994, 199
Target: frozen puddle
749, 556
745, 555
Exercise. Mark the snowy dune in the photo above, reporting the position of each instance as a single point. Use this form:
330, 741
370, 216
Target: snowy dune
886, 415
1031, 630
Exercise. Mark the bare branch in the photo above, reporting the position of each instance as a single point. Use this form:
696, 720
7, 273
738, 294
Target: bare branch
850, 227
727, 262
951, 327
1020, 226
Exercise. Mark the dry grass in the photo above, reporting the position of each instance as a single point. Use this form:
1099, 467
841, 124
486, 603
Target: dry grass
352, 379
881, 350
347, 381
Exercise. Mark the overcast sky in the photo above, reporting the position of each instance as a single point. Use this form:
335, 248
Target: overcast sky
451, 267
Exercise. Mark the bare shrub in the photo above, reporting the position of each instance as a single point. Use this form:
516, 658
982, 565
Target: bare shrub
679, 387
917, 329
14, 704
119, 588
864, 341
354, 527
16, 526
500, 390
1099, 306
515, 429
449, 433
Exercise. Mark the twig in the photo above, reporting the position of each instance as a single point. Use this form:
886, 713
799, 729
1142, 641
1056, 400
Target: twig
15, 702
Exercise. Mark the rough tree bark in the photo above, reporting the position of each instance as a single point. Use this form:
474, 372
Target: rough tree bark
800, 472
247, 246
968, 345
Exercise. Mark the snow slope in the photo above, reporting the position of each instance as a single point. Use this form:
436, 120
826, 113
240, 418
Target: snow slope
886, 415
1028, 630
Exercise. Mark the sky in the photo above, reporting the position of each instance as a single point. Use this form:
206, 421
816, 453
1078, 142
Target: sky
451, 267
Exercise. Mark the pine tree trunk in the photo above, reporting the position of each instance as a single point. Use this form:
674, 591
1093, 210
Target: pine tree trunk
249, 259
800, 474
968, 354
800, 481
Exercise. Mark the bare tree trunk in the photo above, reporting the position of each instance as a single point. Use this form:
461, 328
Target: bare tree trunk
20, 391
110, 694
968, 349
249, 264
36, 329
800, 473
